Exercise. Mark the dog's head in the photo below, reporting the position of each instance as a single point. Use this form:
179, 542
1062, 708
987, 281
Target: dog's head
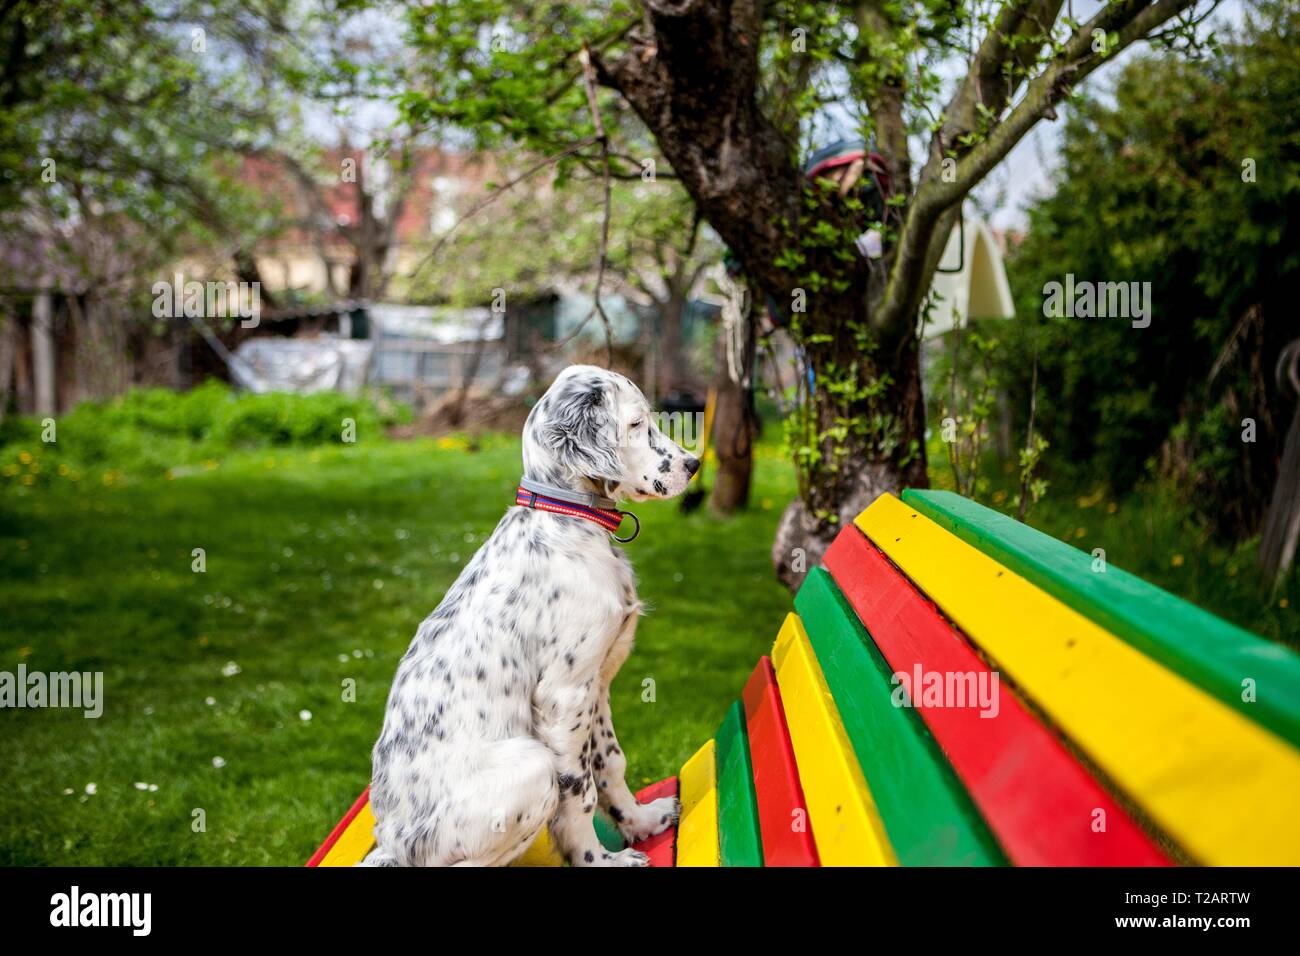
594, 429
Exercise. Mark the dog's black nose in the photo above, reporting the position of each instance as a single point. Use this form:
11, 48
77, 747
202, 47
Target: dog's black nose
692, 466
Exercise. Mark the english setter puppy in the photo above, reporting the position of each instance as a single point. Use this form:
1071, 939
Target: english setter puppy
498, 722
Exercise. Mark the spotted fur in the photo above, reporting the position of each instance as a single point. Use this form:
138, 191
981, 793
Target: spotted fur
498, 722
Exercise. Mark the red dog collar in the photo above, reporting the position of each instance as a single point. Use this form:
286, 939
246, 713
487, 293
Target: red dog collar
607, 518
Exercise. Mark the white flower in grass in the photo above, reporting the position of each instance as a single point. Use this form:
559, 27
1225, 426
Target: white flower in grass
141, 786
67, 791
153, 788
91, 789
218, 762
357, 653
210, 701
343, 658
304, 715
231, 669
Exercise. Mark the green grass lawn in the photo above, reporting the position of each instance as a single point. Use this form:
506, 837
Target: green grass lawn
320, 565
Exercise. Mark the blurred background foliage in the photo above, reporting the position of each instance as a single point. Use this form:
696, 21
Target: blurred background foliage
1151, 189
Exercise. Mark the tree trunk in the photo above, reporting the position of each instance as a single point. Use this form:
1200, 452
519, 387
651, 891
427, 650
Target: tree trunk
670, 366
44, 374
732, 443
1282, 525
885, 452
8, 345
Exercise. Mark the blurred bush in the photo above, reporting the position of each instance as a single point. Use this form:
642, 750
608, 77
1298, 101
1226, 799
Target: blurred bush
151, 431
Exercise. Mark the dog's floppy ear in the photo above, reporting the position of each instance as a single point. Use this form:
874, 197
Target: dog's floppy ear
581, 431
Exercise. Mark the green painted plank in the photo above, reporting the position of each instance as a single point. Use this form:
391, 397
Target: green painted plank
1206, 650
928, 815
607, 833
738, 834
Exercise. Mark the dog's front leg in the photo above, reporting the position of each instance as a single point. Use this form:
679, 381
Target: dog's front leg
564, 724
635, 821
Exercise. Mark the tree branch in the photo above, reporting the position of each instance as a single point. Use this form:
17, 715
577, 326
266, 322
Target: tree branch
915, 260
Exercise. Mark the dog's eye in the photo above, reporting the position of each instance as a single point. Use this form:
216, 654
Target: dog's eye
636, 424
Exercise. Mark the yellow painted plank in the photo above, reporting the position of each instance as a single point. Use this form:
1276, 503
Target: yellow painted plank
1226, 789
845, 822
541, 852
353, 843
697, 830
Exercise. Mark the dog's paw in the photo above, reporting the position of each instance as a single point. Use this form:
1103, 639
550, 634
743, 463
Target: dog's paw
627, 857
651, 818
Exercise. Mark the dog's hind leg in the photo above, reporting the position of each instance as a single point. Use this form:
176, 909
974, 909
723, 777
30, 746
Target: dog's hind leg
505, 795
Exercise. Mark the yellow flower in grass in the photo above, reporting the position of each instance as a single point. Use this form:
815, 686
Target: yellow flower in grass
25, 457
1177, 560
1092, 499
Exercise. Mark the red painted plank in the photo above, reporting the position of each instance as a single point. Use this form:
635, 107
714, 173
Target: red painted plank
1040, 803
340, 827
782, 812
662, 847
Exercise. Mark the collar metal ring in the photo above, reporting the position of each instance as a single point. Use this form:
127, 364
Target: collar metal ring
637, 531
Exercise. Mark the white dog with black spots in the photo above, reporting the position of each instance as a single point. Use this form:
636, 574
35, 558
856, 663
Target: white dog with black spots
498, 723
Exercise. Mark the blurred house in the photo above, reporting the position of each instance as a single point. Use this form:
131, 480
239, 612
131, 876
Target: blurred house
355, 218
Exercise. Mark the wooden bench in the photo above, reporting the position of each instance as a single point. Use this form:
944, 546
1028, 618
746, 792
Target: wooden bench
957, 689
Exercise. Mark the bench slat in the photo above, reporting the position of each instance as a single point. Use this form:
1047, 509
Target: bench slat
782, 811
1207, 650
1039, 801
351, 838
739, 841
928, 816
697, 830
844, 819
1223, 787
